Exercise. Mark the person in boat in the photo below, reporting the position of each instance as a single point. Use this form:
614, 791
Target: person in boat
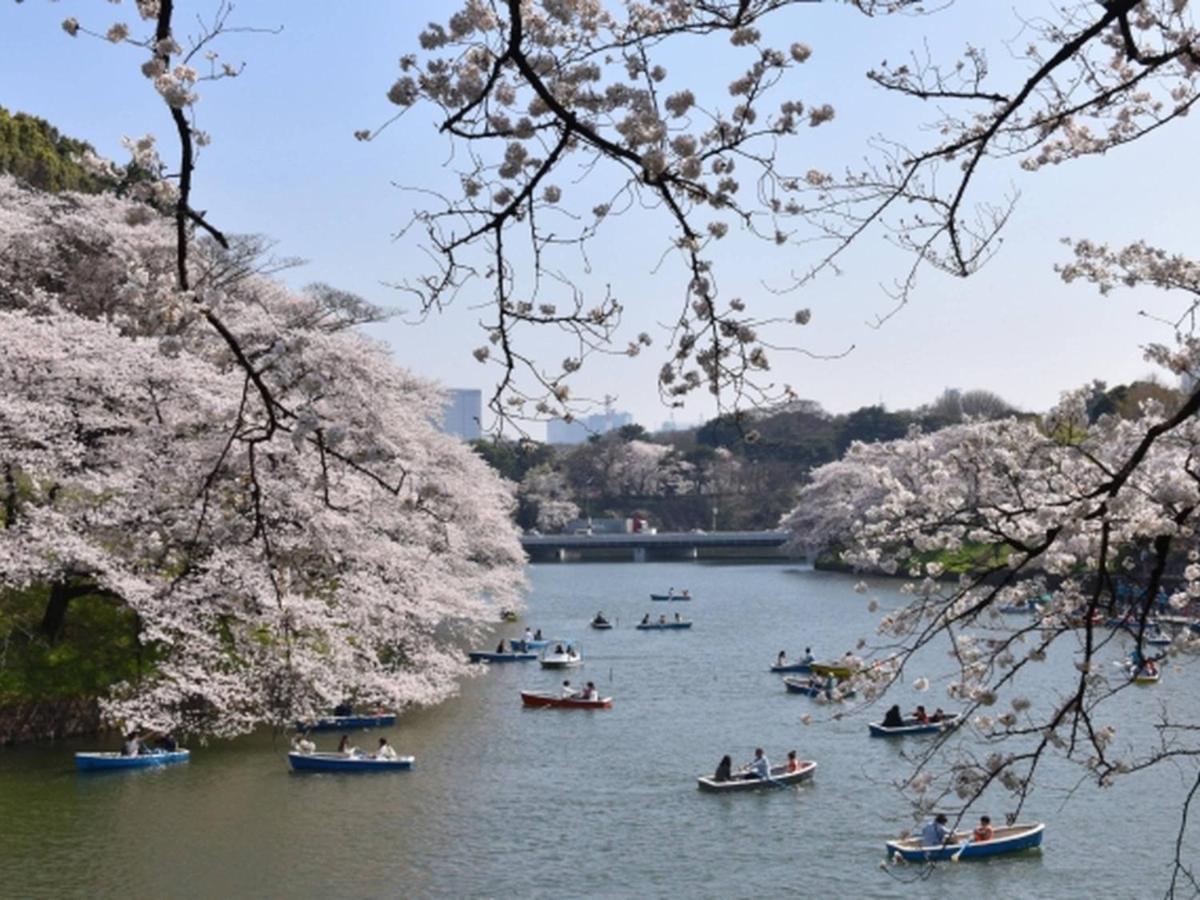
572, 653
985, 831
670, 592
781, 659
793, 764
343, 709
568, 692
301, 743
345, 747
600, 620
167, 743
935, 833
526, 637
558, 648
646, 619
678, 618
759, 767
537, 635
921, 716
500, 646
937, 716
590, 692
662, 620
132, 745
893, 718
386, 751
1149, 668
685, 593
724, 769
1135, 657
809, 659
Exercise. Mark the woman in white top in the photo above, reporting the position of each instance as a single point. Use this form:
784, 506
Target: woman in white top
385, 751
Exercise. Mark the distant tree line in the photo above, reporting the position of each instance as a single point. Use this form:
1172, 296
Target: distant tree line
737, 471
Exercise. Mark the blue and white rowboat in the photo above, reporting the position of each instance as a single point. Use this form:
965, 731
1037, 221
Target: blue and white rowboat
670, 597
662, 626
346, 723
912, 726
1010, 839
339, 762
519, 646
486, 656
800, 668
109, 761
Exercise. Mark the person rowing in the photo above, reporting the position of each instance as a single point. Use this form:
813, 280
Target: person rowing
893, 718
600, 620
568, 692
386, 751
590, 693
758, 767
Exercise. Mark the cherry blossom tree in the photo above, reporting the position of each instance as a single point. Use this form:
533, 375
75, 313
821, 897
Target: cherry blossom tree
1090, 518
345, 554
547, 491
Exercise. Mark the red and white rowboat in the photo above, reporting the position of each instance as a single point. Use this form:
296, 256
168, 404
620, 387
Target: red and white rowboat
544, 698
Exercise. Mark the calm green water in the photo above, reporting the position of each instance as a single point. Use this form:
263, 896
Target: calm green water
512, 802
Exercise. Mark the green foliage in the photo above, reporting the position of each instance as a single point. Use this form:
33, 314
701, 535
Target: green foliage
32, 150
98, 648
512, 459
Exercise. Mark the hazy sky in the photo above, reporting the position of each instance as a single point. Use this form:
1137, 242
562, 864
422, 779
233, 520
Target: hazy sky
284, 163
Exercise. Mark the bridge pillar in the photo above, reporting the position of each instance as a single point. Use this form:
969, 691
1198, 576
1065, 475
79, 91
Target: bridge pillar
639, 554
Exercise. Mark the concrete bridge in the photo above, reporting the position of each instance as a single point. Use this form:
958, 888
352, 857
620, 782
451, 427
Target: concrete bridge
642, 547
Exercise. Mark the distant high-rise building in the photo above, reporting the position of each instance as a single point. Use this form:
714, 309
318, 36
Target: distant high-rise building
464, 412
578, 431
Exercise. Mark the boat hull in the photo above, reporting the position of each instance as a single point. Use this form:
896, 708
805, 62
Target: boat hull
669, 598
108, 762
541, 700
797, 668
345, 723
837, 670
802, 686
1012, 839
485, 656
911, 727
602, 626
664, 626
336, 762
779, 776
519, 646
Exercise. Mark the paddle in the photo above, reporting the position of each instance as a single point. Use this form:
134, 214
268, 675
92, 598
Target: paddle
959, 851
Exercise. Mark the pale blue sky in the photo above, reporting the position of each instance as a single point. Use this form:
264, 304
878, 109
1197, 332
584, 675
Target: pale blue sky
284, 162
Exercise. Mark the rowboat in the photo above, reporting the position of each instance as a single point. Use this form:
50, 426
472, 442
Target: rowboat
346, 723
601, 626
339, 762
110, 760
545, 698
563, 655
1141, 676
912, 726
1010, 839
486, 656
662, 626
670, 597
837, 669
806, 687
779, 776
801, 668
520, 646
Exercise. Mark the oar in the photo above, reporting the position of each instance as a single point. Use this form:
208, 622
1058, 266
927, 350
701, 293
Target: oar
959, 851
